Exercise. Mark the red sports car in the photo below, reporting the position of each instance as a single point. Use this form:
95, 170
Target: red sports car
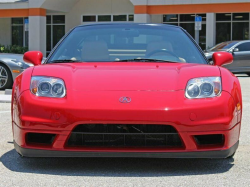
127, 90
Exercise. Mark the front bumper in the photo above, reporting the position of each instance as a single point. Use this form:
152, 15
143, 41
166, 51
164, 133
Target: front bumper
33, 114
195, 154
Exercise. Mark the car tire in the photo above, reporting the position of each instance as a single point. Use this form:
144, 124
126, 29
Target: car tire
5, 77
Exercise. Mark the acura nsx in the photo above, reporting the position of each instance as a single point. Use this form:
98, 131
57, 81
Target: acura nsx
127, 90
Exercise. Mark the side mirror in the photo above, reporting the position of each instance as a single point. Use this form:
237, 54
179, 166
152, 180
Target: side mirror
222, 58
33, 57
236, 50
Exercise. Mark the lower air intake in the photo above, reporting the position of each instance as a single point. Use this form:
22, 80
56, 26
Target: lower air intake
40, 138
209, 140
114, 135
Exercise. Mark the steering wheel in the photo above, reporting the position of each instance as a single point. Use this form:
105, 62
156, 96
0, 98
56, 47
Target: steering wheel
160, 51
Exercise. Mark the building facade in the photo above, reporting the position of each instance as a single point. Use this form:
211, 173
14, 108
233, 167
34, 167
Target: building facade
40, 24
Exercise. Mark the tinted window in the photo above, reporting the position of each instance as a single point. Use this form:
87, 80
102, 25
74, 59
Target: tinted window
58, 33
189, 27
244, 47
105, 43
241, 17
104, 18
120, 18
89, 18
131, 18
187, 17
223, 32
17, 20
223, 17
58, 19
17, 35
48, 34
48, 19
170, 18
240, 30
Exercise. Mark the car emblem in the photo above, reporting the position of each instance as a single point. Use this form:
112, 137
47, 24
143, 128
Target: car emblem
125, 99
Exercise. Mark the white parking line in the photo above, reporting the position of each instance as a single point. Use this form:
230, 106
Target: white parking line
1, 112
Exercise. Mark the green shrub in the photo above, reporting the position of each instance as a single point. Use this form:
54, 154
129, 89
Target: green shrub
13, 49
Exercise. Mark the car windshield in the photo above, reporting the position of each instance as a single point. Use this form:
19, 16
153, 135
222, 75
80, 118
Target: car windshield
127, 42
223, 46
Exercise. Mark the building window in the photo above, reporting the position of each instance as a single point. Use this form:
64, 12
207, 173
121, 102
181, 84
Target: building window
108, 18
89, 19
171, 18
19, 36
104, 18
119, 17
187, 22
130, 17
55, 30
232, 26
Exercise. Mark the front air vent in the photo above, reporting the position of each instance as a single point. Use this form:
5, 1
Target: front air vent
116, 135
40, 138
209, 140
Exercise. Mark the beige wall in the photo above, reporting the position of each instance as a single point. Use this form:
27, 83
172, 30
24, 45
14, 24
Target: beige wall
93, 7
5, 31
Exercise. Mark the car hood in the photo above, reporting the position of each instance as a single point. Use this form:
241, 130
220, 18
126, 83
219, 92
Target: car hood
126, 76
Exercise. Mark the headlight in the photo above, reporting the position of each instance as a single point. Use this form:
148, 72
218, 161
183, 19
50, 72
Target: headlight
204, 87
47, 87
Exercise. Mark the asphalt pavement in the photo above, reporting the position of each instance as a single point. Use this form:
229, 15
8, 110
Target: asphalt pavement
17, 171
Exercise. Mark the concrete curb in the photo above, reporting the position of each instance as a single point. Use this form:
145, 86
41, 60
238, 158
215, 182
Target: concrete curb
5, 98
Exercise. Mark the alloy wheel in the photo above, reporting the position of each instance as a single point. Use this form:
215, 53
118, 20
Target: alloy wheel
3, 76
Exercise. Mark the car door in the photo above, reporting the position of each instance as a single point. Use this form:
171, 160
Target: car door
241, 62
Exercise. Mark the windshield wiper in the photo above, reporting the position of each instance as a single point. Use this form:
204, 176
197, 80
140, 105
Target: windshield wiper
145, 60
63, 60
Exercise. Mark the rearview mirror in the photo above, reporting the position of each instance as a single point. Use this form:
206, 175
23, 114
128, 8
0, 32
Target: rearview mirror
222, 58
33, 57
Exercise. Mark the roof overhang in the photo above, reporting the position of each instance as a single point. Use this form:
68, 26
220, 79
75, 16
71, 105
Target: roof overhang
58, 5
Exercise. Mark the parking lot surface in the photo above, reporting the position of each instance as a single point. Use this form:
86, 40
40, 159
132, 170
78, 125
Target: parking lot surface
17, 171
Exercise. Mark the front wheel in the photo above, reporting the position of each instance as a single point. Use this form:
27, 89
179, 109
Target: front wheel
5, 77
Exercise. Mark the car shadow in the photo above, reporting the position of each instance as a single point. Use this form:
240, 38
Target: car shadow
115, 167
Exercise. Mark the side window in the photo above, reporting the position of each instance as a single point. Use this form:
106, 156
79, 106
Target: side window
244, 47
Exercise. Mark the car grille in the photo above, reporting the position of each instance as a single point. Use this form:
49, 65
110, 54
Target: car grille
116, 135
